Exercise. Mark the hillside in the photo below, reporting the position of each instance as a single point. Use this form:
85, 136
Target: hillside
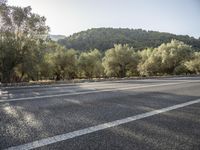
105, 38
56, 37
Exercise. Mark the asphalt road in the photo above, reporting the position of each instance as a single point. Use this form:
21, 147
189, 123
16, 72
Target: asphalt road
114, 115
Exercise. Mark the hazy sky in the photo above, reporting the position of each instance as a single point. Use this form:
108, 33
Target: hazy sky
70, 16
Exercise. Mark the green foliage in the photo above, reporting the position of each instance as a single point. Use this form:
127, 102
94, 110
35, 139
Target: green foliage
173, 55
105, 38
150, 62
9, 57
21, 37
27, 54
22, 22
90, 64
166, 59
120, 60
63, 63
193, 65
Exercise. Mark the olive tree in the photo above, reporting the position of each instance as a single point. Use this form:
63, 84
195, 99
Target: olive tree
90, 64
168, 58
193, 65
63, 63
120, 61
21, 33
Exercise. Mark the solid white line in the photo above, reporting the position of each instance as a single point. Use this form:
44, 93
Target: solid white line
70, 135
89, 92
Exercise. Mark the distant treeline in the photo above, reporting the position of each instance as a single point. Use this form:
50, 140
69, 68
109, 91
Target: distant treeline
105, 38
26, 54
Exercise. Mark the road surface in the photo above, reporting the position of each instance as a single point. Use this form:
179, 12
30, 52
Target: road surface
114, 115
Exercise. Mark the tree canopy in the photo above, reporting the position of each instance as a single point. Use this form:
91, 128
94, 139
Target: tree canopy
168, 58
120, 60
21, 34
90, 64
27, 53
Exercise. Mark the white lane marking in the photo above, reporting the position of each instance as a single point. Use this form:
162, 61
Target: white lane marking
89, 92
74, 101
70, 135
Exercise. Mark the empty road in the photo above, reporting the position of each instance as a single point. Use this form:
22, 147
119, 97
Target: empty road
147, 114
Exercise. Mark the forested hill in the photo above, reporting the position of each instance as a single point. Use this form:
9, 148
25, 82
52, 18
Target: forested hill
105, 38
56, 37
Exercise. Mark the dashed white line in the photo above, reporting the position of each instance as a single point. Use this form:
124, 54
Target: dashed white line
70, 135
89, 92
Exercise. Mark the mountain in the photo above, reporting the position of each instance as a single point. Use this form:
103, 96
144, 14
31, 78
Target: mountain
105, 38
56, 37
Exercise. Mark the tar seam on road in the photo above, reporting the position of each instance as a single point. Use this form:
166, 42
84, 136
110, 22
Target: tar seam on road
89, 92
70, 135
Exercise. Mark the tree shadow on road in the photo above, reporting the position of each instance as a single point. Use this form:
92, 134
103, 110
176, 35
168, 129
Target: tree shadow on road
26, 121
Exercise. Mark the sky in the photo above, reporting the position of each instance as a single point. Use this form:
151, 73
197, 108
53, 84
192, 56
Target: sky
70, 16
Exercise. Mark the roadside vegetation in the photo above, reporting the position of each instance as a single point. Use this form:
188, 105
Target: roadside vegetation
27, 53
